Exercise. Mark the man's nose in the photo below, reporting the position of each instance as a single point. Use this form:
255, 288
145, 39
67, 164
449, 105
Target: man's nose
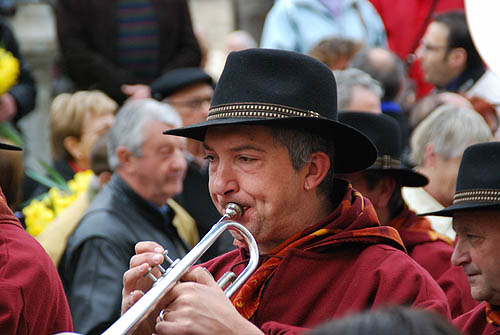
460, 255
179, 160
419, 51
223, 179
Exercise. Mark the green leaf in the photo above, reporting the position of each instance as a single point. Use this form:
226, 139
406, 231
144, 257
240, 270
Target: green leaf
44, 180
56, 176
10, 133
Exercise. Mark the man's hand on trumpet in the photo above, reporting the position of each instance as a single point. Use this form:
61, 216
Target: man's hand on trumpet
196, 305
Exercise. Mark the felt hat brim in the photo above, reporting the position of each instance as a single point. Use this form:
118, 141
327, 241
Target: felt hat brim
460, 207
353, 150
4, 146
407, 177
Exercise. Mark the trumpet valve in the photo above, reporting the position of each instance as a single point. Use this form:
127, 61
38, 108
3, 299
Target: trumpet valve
226, 279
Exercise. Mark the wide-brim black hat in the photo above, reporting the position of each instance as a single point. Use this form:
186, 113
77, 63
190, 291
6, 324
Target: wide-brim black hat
478, 181
4, 146
177, 79
385, 133
283, 88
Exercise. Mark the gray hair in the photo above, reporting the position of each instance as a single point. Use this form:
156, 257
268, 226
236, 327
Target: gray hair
301, 144
450, 129
128, 129
349, 78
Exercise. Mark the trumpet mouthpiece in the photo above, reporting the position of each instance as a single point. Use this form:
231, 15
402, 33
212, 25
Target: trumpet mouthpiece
233, 210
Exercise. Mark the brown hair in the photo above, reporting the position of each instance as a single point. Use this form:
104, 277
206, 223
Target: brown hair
11, 174
335, 51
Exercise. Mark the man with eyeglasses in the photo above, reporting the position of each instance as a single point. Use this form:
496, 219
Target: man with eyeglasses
450, 60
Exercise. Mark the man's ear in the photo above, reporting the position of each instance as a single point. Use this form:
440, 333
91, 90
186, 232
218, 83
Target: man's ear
385, 189
316, 170
126, 159
429, 159
458, 57
71, 144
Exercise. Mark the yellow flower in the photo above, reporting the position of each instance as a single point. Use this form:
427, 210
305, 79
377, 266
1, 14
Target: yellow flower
9, 70
39, 213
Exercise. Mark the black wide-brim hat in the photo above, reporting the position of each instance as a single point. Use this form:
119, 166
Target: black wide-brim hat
385, 133
478, 181
283, 88
4, 146
175, 80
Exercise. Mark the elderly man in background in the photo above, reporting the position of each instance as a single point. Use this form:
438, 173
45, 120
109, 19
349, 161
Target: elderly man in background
382, 183
358, 91
273, 143
436, 148
190, 90
134, 205
476, 219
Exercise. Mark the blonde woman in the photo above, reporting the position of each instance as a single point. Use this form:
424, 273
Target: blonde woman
76, 121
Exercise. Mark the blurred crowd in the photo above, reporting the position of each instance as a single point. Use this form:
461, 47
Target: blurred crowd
408, 76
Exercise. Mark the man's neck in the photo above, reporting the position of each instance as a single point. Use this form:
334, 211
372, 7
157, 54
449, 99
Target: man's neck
139, 189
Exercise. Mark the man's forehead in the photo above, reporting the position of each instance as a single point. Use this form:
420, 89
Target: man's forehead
237, 134
472, 219
437, 30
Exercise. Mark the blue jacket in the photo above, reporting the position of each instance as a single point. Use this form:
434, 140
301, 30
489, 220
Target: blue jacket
298, 25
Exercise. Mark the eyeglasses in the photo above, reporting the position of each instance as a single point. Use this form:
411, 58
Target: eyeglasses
430, 47
194, 103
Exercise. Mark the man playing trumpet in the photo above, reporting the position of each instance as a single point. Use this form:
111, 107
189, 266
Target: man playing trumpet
273, 143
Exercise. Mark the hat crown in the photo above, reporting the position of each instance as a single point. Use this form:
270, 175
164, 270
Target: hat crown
479, 168
270, 77
381, 129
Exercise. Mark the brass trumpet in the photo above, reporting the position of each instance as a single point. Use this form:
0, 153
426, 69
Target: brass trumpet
129, 321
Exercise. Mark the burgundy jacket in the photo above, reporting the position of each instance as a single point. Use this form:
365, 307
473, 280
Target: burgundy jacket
334, 280
32, 297
475, 322
87, 34
433, 252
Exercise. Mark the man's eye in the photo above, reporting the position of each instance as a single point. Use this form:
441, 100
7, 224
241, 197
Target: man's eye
245, 159
209, 158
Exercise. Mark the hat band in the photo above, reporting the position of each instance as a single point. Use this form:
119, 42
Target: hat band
259, 110
386, 162
484, 195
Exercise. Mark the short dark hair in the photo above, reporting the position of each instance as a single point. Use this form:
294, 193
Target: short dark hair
390, 320
301, 144
459, 35
396, 202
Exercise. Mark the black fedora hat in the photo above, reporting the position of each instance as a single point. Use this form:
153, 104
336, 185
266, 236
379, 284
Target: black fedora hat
478, 181
177, 79
385, 133
283, 88
4, 146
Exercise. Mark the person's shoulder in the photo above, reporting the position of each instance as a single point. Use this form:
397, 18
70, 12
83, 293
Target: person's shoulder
386, 257
20, 251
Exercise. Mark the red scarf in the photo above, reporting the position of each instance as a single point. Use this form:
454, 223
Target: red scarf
354, 220
493, 315
415, 229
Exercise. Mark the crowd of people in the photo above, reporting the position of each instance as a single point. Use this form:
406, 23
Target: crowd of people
364, 159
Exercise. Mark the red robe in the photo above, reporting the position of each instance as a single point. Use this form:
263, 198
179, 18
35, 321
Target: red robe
360, 266
476, 322
32, 299
433, 251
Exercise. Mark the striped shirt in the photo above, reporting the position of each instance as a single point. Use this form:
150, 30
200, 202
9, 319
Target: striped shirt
138, 39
